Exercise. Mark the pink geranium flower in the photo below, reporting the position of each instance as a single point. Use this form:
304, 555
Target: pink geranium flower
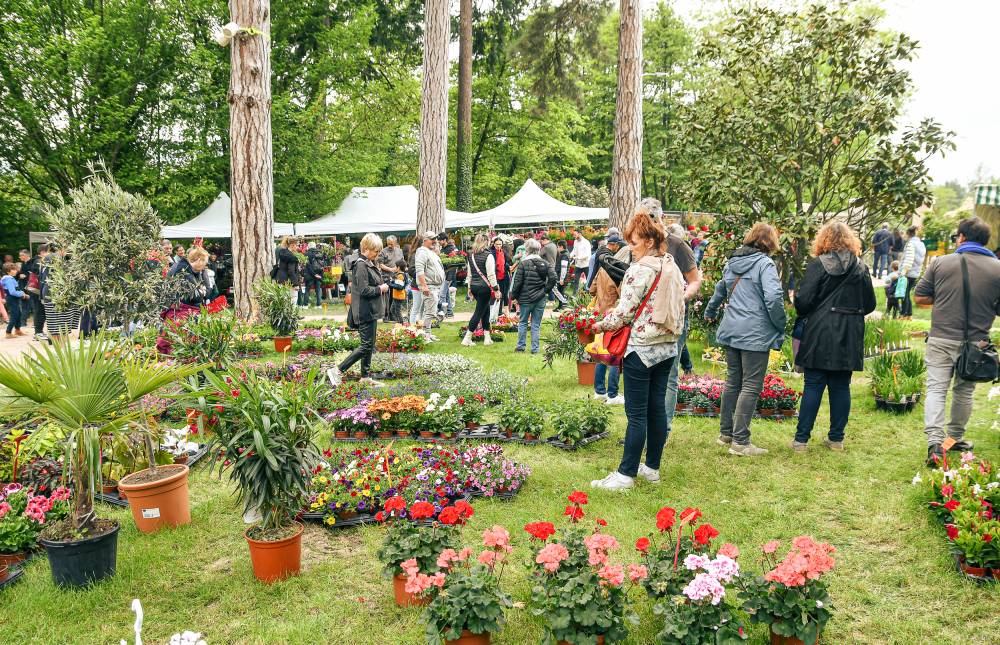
551, 555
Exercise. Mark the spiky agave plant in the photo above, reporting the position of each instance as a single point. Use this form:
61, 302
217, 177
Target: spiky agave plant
87, 389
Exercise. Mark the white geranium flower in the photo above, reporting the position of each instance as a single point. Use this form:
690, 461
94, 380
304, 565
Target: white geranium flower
916, 479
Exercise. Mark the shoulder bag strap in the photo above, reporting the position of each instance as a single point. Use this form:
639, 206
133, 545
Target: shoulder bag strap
733, 289
965, 296
645, 298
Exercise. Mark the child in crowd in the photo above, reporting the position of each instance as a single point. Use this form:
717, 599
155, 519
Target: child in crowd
13, 296
891, 301
400, 281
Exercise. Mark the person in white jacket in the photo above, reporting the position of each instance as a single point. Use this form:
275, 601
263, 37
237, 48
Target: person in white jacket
580, 256
911, 266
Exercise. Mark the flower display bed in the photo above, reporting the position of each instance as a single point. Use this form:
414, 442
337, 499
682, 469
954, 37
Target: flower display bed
702, 395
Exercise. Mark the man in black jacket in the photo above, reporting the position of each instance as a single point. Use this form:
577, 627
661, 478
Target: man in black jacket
533, 281
315, 264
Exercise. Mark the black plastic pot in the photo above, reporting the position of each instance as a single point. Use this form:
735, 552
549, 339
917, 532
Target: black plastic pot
82, 562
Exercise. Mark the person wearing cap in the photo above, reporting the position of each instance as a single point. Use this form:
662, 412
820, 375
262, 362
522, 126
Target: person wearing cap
430, 277
592, 269
446, 304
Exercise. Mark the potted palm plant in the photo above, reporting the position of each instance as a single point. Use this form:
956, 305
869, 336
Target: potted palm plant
276, 306
86, 390
264, 440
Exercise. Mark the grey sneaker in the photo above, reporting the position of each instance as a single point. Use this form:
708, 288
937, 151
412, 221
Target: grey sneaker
799, 447
336, 378
834, 445
723, 440
747, 450
650, 475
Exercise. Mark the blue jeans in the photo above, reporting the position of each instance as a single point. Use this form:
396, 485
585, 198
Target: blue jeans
881, 262
534, 310
13, 313
645, 391
313, 285
602, 371
839, 385
446, 304
670, 399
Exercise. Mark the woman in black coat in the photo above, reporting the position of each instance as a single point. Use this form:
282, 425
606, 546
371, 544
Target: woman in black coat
833, 298
367, 307
286, 269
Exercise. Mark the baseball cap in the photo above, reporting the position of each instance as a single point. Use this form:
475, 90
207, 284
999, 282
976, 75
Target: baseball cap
615, 239
430, 235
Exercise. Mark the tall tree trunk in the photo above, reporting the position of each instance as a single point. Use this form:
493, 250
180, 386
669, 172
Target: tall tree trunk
626, 170
252, 189
434, 118
463, 157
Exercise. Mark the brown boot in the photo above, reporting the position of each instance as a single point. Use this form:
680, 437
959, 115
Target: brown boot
9, 335
18, 332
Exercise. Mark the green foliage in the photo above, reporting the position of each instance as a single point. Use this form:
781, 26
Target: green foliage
578, 419
687, 623
798, 612
265, 441
523, 417
897, 377
405, 539
204, 338
107, 235
471, 599
276, 306
797, 118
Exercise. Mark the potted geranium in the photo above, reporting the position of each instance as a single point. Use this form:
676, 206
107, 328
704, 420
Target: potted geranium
791, 597
467, 603
473, 409
265, 442
677, 537
576, 589
788, 401
88, 390
700, 614
278, 310
407, 540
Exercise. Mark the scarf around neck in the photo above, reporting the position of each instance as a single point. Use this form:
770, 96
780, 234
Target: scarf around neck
974, 247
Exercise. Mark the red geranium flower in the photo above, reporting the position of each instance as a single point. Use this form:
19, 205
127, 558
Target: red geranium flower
573, 512
449, 515
540, 530
578, 497
464, 508
665, 518
379, 516
601, 522
396, 503
704, 534
951, 505
421, 510
690, 515
642, 544
951, 530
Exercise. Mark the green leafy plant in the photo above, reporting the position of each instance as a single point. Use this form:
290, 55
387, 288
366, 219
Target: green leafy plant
523, 418
203, 338
419, 545
276, 307
265, 441
87, 390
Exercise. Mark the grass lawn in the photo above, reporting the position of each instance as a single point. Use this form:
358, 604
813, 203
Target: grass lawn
894, 581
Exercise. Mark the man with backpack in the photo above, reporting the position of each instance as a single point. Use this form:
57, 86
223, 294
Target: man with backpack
964, 288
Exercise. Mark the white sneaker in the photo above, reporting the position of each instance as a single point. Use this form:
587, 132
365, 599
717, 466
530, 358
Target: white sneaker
371, 382
486, 339
618, 400
467, 341
336, 378
614, 481
650, 475
600, 397
431, 338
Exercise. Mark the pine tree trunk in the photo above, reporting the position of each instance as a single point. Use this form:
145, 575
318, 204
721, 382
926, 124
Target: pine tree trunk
434, 118
626, 172
463, 149
250, 151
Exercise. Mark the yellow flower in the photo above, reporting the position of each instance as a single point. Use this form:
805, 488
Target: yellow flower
330, 520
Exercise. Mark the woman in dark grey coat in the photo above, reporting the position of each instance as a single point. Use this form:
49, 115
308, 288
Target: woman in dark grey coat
832, 300
367, 307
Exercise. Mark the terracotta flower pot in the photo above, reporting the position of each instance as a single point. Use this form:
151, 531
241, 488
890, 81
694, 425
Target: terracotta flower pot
159, 503
698, 410
121, 492
282, 344
10, 559
3, 572
468, 638
469, 425
385, 434
508, 433
680, 407
403, 597
403, 434
788, 413
427, 434
360, 434
972, 571
766, 412
585, 372
585, 338
530, 437
777, 639
273, 561
181, 459
996, 574
109, 486
341, 434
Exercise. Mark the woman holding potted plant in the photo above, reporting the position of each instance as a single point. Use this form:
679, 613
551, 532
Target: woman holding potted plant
367, 307
831, 303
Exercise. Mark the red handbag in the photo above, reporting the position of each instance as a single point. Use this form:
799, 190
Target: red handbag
616, 342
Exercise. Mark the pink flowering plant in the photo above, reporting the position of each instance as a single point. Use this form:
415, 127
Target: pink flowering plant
678, 536
700, 614
465, 592
791, 597
489, 473
23, 514
576, 587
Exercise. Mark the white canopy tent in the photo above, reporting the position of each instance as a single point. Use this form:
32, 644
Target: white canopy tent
214, 222
382, 209
532, 205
